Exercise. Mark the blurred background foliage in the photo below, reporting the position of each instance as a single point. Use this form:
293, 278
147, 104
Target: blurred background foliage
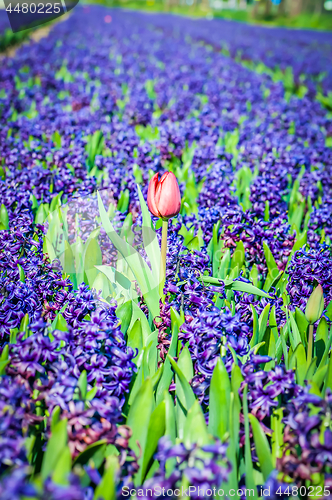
314, 14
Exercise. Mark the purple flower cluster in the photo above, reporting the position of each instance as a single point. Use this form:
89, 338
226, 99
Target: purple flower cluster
307, 268
204, 468
307, 438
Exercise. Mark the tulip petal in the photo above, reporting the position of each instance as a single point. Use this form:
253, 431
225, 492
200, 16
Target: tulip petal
168, 197
152, 194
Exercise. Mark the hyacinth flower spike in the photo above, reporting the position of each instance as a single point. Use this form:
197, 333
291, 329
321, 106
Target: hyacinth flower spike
164, 201
313, 311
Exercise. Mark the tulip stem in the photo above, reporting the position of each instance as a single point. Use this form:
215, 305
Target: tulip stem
310, 344
163, 258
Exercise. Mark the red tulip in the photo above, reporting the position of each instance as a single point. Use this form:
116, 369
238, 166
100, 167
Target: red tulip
164, 199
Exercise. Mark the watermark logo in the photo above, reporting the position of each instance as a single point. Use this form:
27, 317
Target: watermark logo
27, 14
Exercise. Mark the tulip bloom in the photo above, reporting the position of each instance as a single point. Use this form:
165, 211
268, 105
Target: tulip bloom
164, 199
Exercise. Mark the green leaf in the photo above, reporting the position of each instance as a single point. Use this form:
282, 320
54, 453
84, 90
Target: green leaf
189, 396
270, 261
150, 240
124, 313
82, 384
321, 339
123, 202
168, 373
156, 430
4, 219
328, 379
238, 258
249, 470
4, 361
59, 323
319, 376
106, 489
302, 325
219, 407
139, 417
135, 338
224, 264
262, 322
92, 258
277, 435
55, 446
62, 467
195, 430
147, 282
93, 454
262, 447
239, 286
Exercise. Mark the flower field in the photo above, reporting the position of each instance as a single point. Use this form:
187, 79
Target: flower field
210, 377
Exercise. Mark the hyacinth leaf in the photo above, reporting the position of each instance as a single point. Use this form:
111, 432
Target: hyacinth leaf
124, 313
328, 310
219, 406
254, 275
195, 430
185, 365
236, 380
302, 325
24, 323
170, 417
224, 264
328, 378
4, 360
249, 470
139, 416
62, 468
294, 334
55, 418
156, 430
262, 322
146, 281
123, 202
139, 314
239, 286
319, 376
234, 424
106, 489
270, 261
55, 446
277, 435
262, 447
321, 339
298, 361
4, 219
82, 385
101, 284
168, 373
150, 240
59, 323
92, 258
238, 258
49, 249
93, 454
311, 369
135, 338
255, 333
188, 395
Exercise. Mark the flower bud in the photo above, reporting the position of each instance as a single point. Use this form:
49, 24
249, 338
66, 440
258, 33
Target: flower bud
315, 305
164, 198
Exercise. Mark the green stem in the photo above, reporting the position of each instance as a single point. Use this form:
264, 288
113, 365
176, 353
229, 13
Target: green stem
162, 274
310, 344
